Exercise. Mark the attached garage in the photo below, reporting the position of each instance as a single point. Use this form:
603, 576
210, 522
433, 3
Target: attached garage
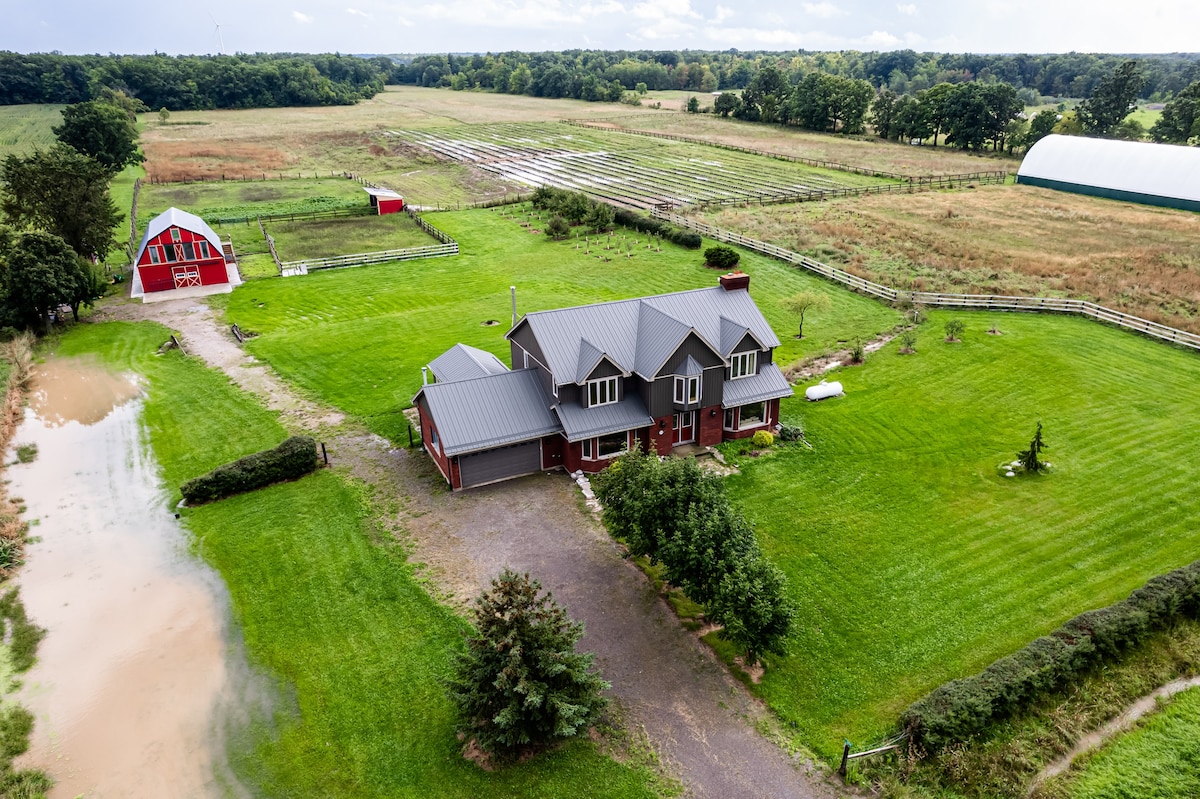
1166, 175
502, 463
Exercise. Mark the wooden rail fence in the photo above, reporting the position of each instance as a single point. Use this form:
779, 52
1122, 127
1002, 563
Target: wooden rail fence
448, 246
976, 302
990, 176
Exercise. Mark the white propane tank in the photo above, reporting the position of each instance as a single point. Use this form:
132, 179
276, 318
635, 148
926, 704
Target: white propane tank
823, 390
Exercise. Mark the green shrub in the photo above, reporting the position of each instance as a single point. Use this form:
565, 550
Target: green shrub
721, 257
645, 224
963, 708
295, 457
763, 439
557, 228
857, 351
790, 432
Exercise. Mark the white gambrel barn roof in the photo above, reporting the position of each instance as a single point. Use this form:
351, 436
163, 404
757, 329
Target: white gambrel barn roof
1157, 174
173, 217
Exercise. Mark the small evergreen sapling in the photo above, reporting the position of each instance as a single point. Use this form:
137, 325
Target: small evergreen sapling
1029, 458
520, 682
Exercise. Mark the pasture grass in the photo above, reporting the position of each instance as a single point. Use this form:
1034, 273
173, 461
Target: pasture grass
999, 240
235, 198
24, 127
1158, 760
323, 238
914, 562
357, 338
328, 606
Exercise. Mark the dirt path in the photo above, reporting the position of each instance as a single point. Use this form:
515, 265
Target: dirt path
1122, 723
700, 721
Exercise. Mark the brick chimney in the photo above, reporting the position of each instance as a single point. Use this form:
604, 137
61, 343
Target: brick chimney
736, 279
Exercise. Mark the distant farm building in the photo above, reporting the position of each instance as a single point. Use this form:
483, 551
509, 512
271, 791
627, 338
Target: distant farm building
181, 256
385, 201
1167, 175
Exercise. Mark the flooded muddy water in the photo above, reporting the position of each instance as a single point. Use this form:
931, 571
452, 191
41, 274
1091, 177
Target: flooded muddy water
138, 671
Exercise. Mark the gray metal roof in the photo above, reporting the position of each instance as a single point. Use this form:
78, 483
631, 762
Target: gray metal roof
769, 383
580, 422
639, 335
1165, 170
173, 217
382, 193
690, 367
491, 411
462, 362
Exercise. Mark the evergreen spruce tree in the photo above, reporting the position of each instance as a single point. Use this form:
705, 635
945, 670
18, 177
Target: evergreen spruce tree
520, 682
1029, 457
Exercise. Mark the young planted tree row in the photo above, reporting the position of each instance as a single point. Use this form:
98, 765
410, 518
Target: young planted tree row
675, 514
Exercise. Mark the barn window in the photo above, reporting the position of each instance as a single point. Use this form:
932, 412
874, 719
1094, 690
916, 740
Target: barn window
175, 234
189, 252
169, 252
155, 255
202, 247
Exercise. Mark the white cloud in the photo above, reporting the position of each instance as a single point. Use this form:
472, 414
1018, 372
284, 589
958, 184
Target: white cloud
664, 9
908, 9
822, 10
881, 39
721, 14
601, 9
302, 18
532, 14
357, 13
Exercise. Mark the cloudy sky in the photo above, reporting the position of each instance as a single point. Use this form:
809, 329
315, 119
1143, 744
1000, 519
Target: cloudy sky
378, 26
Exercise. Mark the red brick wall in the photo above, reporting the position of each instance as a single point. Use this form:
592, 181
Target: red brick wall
709, 421
661, 441
772, 420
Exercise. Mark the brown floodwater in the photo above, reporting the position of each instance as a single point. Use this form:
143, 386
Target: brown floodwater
140, 671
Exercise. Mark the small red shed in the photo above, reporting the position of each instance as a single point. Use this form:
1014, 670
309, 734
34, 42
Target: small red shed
385, 201
180, 255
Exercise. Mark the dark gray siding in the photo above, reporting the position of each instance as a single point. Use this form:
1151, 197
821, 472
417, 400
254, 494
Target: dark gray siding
747, 343
525, 338
765, 358
660, 397
569, 393
693, 346
604, 369
712, 387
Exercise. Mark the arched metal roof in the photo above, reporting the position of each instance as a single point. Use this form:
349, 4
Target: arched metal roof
1155, 174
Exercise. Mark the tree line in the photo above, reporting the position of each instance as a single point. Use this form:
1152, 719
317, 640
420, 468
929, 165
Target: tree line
193, 82
58, 216
595, 74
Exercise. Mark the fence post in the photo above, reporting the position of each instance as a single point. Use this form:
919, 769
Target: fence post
845, 757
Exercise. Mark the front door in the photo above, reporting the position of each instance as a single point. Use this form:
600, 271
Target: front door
683, 426
185, 276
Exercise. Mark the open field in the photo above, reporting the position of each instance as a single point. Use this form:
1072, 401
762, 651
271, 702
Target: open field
1159, 760
346, 138
914, 562
358, 338
235, 198
329, 606
23, 127
324, 238
868, 152
999, 240
643, 172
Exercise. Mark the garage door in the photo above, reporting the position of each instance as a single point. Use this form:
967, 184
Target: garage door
500, 463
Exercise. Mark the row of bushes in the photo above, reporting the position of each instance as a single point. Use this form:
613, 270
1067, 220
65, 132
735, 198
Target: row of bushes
295, 457
573, 207
646, 224
962, 708
675, 514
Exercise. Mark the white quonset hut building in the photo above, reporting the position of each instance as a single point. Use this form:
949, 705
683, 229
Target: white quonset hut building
1167, 175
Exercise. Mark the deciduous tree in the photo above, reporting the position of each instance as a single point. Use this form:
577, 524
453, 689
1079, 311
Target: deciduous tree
1112, 100
100, 130
1180, 120
803, 303
520, 682
40, 273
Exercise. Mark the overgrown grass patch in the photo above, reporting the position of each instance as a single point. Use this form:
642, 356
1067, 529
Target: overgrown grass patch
914, 562
324, 238
330, 607
215, 200
358, 338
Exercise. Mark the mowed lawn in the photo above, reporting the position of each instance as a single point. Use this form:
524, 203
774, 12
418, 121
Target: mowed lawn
914, 562
1158, 760
329, 607
357, 338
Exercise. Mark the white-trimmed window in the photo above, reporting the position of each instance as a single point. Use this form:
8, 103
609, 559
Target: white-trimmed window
687, 390
743, 364
602, 391
746, 416
175, 234
605, 447
189, 251
433, 439
155, 254
587, 449
731, 419
202, 248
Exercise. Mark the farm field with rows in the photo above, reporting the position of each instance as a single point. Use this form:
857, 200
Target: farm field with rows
641, 172
23, 127
999, 240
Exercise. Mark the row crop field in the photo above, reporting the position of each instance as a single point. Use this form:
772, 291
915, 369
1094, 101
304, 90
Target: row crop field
911, 560
642, 173
23, 127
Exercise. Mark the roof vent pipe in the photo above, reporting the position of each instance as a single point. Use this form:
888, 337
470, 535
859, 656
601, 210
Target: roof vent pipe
424, 375
513, 291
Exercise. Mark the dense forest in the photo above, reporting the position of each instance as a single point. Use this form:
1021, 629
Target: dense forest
584, 73
193, 82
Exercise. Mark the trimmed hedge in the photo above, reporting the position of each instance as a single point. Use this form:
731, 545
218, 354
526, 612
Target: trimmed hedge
721, 257
646, 224
962, 708
295, 457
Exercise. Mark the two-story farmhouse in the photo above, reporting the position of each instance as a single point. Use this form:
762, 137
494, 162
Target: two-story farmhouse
693, 367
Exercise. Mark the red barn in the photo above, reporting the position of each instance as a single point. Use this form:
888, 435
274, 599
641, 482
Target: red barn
181, 256
385, 201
